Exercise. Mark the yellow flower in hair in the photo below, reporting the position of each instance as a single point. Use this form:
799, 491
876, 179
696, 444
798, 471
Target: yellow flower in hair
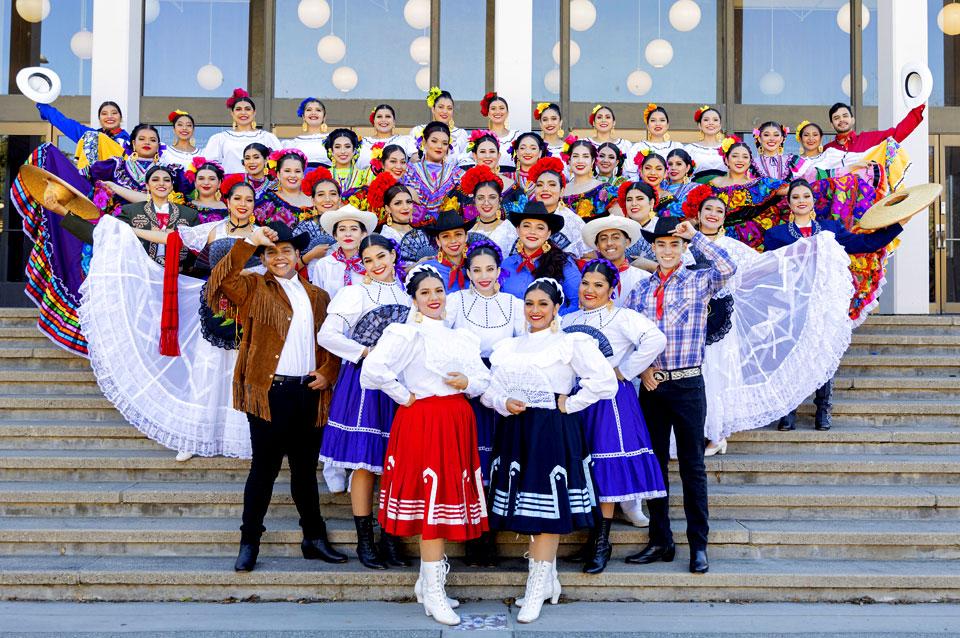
800, 127
272, 164
541, 107
450, 203
176, 198
727, 143
585, 208
376, 152
432, 95
595, 109
651, 107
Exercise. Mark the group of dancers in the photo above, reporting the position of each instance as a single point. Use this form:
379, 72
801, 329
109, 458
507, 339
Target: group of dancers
513, 330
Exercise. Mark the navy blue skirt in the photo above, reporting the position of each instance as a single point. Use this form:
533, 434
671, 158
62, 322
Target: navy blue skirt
487, 420
540, 479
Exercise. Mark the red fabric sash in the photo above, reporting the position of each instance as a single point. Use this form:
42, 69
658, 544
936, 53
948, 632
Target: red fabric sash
170, 314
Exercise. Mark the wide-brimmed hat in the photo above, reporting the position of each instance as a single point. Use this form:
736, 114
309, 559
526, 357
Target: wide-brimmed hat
329, 219
448, 220
39, 84
594, 227
900, 205
536, 210
36, 180
663, 228
286, 236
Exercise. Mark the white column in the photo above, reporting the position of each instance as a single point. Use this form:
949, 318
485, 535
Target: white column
513, 59
116, 63
901, 39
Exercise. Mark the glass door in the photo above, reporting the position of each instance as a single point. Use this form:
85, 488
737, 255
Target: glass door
17, 141
945, 227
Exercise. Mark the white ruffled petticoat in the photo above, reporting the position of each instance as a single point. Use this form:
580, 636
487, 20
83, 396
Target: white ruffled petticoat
183, 403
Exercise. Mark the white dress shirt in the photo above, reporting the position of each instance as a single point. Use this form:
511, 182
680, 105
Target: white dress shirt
347, 307
492, 318
299, 355
227, 147
629, 279
634, 339
312, 146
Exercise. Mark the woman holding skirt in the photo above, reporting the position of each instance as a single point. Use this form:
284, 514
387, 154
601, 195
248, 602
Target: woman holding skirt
431, 483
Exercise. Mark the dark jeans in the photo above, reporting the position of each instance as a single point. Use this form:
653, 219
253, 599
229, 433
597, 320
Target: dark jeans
680, 405
823, 399
292, 432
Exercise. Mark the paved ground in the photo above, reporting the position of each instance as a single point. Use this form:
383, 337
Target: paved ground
406, 620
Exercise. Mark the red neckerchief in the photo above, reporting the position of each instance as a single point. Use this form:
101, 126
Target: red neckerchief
456, 272
622, 268
162, 220
658, 293
350, 264
844, 141
113, 132
806, 231
527, 260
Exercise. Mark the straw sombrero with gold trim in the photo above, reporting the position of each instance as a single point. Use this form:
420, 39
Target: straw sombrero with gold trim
900, 205
36, 180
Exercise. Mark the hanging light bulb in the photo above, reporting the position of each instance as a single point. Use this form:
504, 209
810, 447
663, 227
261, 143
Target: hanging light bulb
33, 10
949, 19
574, 53
344, 79
658, 53
420, 50
772, 83
639, 82
684, 15
417, 13
551, 81
209, 77
82, 44
582, 15
423, 79
843, 17
331, 49
313, 13
845, 84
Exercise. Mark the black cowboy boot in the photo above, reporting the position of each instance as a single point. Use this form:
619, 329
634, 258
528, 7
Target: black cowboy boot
391, 550
602, 549
473, 552
366, 548
247, 557
823, 399
319, 548
490, 556
788, 422
586, 551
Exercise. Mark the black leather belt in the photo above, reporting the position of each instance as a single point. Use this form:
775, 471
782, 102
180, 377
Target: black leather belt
286, 378
679, 373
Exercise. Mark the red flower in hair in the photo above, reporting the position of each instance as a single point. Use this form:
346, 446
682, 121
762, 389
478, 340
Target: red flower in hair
700, 111
236, 95
485, 103
691, 205
551, 164
372, 113
477, 175
622, 196
229, 181
316, 175
377, 189
172, 117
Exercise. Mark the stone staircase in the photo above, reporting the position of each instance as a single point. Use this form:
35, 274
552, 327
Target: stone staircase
90, 509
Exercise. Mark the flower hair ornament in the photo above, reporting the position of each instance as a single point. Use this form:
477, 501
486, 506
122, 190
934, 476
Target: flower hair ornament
625, 187
640, 156
545, 165
432, 95
691, 204
175, 115
565, 148
651, 107
802, 125
784, 131
319, 174
421, 268
377, 189
485, 103
486, 243
727, 143
376, 157
303, 105
273, 159
478, 134
235, 97
190, 174
372, 113
478, 175
553, 282
541, 107
698, 114
593, 114
229, 181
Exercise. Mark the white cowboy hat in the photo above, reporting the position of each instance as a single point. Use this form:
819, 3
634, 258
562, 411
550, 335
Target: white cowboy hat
594, 227
916, 84
39, 84
329, 220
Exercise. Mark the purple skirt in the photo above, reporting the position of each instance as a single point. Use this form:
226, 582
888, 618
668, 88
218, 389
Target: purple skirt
487, 419
357, 430
624, 465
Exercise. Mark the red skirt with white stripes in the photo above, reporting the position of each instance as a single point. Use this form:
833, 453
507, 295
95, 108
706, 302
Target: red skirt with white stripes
431, 483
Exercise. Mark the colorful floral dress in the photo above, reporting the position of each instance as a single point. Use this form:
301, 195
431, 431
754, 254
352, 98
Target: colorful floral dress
353, 183
592, 202
433, 183
273, 208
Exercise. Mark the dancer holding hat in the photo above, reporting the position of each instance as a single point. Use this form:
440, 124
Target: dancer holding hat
343, 266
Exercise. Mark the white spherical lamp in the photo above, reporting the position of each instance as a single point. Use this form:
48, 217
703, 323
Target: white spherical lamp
423, 79
313, 13
639, 82
344, 79
420, 50
949, 19
582, 15
843, 17
684, 15
331, 49
574, 53
33, 10
151, 11
82, 44
658, 53
551, 81
209, 77
845, 84
771, 83
417, 13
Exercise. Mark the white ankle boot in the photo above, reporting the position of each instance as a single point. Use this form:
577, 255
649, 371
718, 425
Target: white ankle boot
418, 587
633, 510
539, 589
554, 585
184, 456
434, 575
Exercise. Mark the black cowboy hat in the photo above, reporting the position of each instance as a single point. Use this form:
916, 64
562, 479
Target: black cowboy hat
536, 210
284, 235
664, 228
448, 220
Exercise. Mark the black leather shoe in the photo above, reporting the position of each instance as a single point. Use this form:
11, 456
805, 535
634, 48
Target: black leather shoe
602, 550
822, 426
391, 551
652, 553
585, 552
247, 557
786, 426
320, 549
366, 548
698, 562
473, 553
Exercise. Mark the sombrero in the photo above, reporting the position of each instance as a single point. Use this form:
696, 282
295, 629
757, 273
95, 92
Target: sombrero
36, 180
900, 205
629, 228
365, 218
39, 84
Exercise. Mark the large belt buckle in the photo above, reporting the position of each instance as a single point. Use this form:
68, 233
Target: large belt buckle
660, 376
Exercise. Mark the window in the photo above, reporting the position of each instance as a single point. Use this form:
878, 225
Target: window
64, 49
463, 29
195, 48
546, 38
944, 53
790, 52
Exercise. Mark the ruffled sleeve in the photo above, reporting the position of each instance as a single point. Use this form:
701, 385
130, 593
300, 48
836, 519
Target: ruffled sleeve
478, 376
195, 237
343, 312
495, 396
214, 148
597, 379
395, 351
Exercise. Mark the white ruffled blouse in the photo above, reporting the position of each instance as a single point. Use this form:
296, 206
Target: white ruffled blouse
493, 318
634, 339
345, 310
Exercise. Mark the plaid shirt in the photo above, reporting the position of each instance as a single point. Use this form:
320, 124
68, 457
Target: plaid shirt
685, 300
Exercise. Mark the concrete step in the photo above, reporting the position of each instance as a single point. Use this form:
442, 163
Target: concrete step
58, 407
900, 365
150, 536
74, 435
845, 439
877, 320
44, 356
892, 412
127, 578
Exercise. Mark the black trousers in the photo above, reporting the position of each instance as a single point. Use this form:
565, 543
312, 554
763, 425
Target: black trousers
291, 432
679, 405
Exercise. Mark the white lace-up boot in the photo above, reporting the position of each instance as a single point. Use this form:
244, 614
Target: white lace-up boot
539, 589
434, 575
418, 587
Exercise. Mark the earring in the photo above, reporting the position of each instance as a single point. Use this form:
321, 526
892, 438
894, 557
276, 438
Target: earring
192, 141
323, 127
367, 280
820, 148
452, 124
466, 249
546, 246
304, 127
440, 256
666, 137
217, 196
554, 325
496, 287
443, 313
610, 305
519, 246
253, 123
234, 126
560, 132
418, 317
720, 136
702, 136
134, 156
